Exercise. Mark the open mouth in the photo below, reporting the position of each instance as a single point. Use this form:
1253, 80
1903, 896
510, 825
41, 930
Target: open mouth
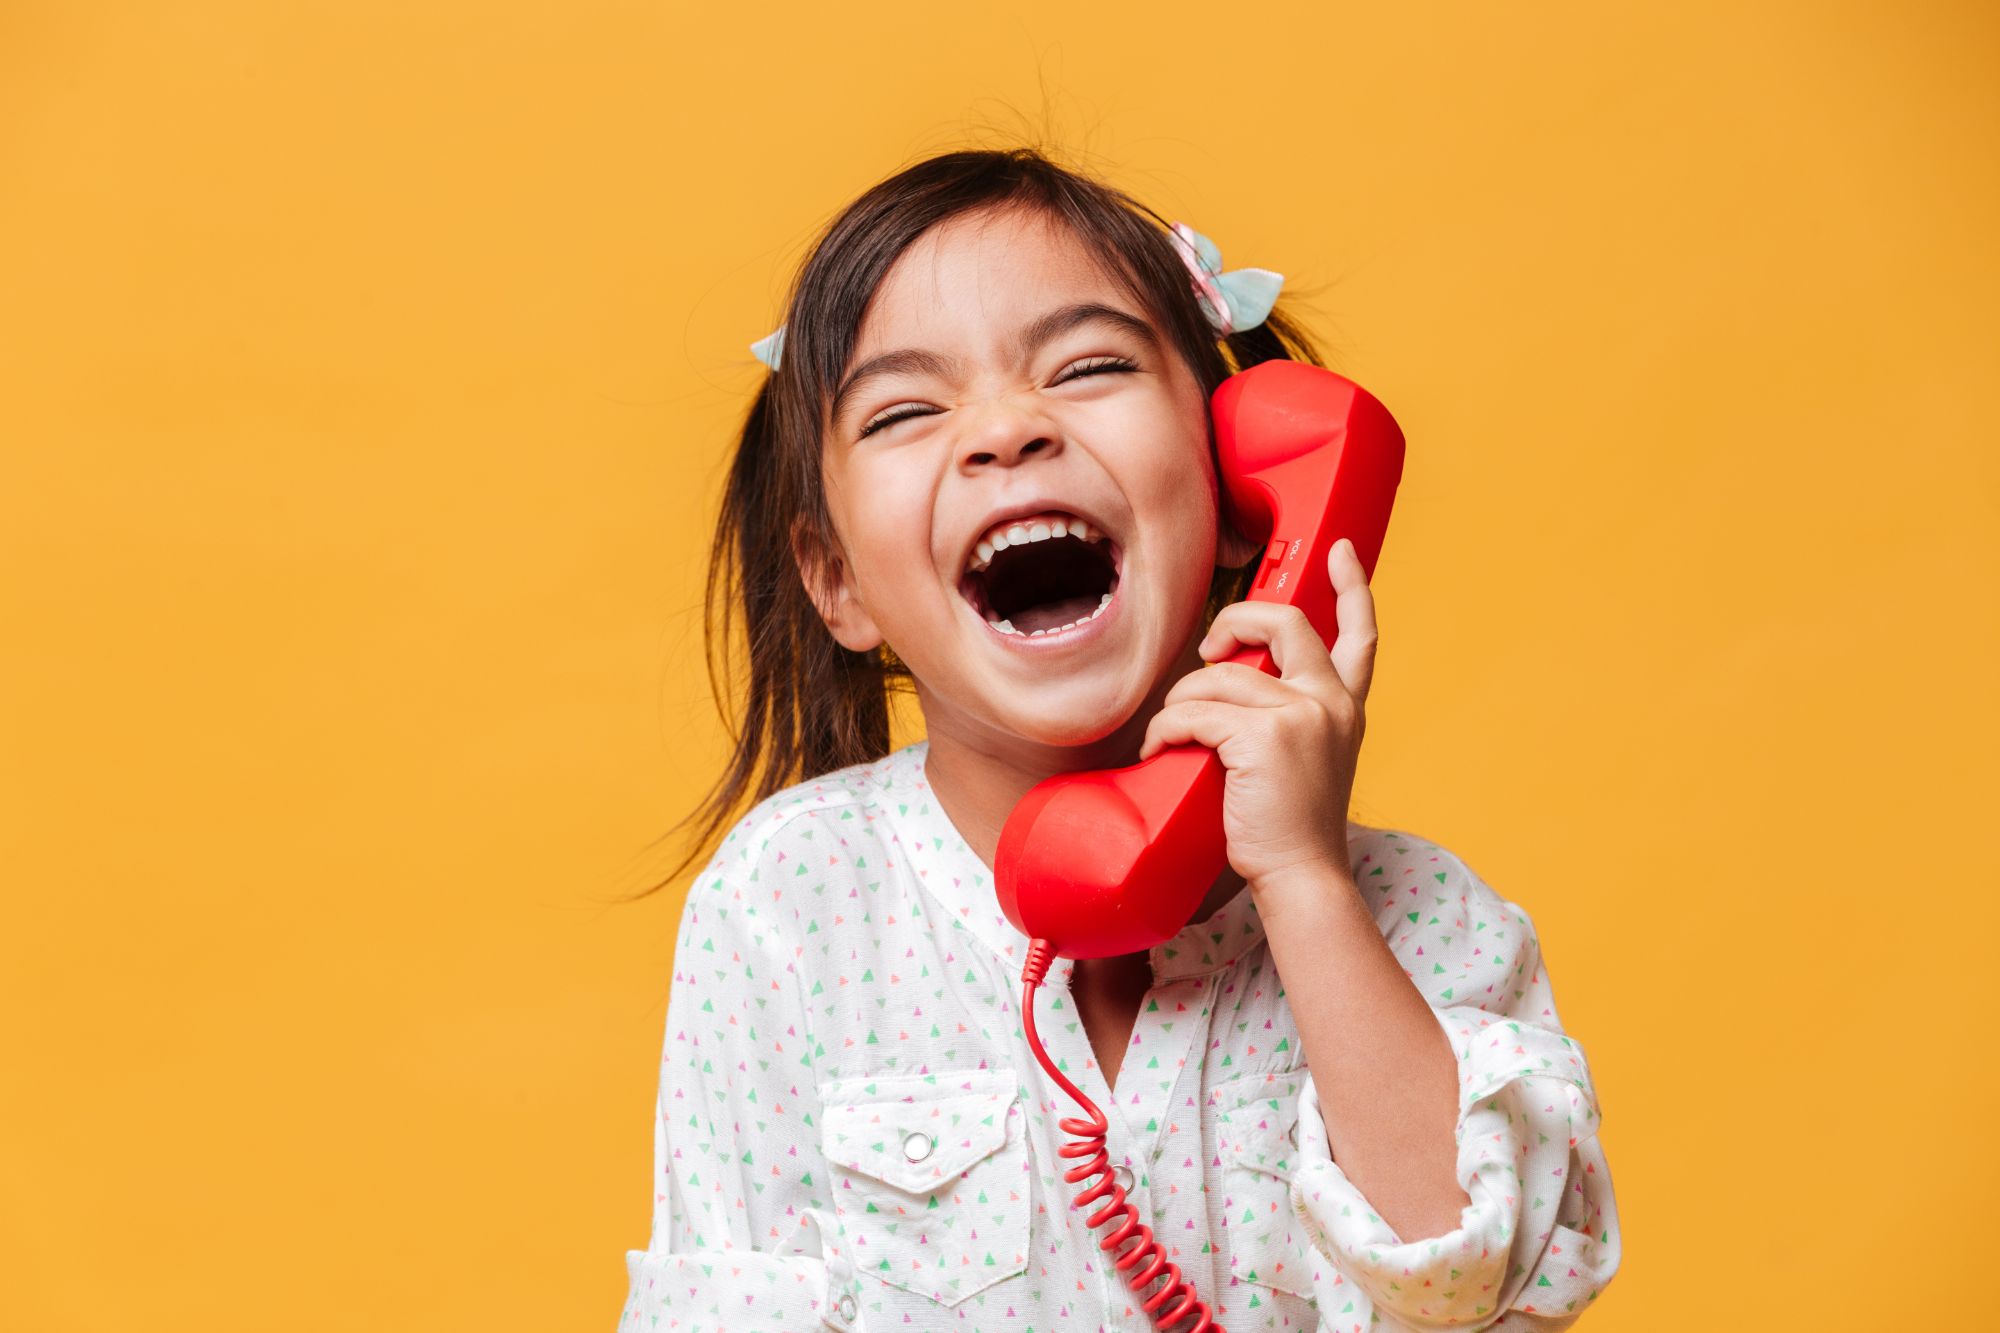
1041, 575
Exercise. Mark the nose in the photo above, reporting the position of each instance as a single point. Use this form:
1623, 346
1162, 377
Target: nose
1004, 434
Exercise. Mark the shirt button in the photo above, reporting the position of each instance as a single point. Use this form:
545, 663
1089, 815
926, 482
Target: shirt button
847, 1307
1123, 1175
917, 1147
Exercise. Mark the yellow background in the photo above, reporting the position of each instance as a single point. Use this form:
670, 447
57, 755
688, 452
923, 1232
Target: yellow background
366, 373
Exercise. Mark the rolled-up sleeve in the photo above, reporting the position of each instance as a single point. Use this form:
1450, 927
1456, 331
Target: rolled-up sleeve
1538, 1239
743, 1240
741, 1292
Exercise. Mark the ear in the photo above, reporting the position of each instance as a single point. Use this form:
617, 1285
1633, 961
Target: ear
831, 589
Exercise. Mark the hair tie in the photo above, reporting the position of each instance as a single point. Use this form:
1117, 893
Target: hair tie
1239, 299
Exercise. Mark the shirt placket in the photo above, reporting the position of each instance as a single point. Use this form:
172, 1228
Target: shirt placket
1068, 1045
1166, 1034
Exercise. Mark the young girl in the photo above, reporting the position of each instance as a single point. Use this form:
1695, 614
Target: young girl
981, 468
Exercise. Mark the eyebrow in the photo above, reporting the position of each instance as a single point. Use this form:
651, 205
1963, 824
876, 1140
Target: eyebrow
1043, 330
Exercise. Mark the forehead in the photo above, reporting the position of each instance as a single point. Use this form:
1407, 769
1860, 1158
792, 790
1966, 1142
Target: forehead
974, 279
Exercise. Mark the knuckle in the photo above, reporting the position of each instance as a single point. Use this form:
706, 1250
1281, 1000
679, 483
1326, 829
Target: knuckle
1319, 717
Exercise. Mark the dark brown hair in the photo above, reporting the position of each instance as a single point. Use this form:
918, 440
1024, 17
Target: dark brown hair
811, 705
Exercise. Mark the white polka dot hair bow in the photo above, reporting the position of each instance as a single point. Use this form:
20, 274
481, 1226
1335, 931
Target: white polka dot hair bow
1239, 299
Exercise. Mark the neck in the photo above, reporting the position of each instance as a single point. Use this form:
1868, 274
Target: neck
978, 780
980, 774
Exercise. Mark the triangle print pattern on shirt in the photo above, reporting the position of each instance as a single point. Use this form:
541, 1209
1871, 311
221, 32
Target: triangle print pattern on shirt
851, 1132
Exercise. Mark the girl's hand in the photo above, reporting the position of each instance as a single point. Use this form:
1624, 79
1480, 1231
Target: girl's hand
1288, 742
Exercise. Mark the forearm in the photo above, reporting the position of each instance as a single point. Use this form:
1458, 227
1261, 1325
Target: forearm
1387, 1080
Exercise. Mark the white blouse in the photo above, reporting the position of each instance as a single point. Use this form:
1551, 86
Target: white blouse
852, 1133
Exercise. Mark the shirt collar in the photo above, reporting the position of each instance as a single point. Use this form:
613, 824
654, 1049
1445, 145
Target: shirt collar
962, 885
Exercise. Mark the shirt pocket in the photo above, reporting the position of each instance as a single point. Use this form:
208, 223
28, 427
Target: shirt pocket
1257, 1138
930, 1178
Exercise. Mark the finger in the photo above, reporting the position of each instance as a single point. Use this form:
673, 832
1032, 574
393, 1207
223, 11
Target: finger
1199, 722
1232, 682
1353, 652
1296, 647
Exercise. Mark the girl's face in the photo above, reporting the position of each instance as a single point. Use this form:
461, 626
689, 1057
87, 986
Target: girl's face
1018, 471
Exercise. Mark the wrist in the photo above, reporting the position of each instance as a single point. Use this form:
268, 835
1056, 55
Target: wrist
1311, 881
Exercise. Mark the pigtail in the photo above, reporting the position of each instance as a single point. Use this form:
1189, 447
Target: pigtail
808, 704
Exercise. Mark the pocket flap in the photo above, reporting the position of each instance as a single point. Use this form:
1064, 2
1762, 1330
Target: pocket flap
917, 1132
1262, 1136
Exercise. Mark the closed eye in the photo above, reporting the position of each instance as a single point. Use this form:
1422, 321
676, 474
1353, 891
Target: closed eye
891, 417
1097, 365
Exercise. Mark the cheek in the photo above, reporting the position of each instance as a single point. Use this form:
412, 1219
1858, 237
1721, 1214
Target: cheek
1187, 430
886, 523
1199, 519
1186, 490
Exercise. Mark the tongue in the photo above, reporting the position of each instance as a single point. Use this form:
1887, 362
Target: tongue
1052, 615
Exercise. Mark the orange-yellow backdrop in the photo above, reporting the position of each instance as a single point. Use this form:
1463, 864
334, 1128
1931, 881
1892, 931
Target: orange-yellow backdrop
365, 375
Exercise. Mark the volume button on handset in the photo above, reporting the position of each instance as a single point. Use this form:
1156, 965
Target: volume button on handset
1274, 555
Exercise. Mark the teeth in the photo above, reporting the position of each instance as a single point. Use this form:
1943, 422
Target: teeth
1038, 529
1007, 626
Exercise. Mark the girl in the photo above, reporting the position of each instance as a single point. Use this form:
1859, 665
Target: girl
981, 468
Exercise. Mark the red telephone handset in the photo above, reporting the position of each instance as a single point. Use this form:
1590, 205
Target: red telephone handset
1115, 861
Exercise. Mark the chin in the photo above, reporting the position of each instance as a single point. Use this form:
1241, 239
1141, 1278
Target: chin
1075, 722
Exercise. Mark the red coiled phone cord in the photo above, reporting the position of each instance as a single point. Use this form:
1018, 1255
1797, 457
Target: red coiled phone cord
1144, 1262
